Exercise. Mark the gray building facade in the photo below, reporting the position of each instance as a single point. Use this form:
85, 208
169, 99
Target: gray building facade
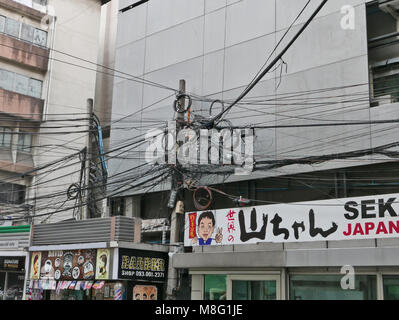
342, 69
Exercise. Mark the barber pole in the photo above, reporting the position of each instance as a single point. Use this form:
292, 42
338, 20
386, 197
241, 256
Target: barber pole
118, 294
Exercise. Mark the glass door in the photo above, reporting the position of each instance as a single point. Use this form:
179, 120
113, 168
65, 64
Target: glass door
253, 287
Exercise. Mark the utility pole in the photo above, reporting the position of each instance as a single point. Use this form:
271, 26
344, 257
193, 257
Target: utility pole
177, 180
86, 191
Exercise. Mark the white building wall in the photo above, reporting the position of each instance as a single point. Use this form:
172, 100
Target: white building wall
77, 28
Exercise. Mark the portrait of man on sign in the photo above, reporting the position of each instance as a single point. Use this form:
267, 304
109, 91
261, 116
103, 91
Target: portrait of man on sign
206, 227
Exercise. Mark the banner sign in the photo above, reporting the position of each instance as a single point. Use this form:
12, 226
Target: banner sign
142, 265
12, 263
366, 217
64, 265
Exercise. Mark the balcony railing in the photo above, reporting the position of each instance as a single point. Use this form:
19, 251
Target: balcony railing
39, 5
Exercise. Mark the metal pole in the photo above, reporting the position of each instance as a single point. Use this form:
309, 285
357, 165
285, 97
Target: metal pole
86, 208
174, 225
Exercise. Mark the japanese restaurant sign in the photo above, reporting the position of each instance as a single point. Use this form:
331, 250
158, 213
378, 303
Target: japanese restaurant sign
366, 217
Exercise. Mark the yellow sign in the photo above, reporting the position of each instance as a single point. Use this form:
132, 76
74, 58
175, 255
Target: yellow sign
35, 265
102, 265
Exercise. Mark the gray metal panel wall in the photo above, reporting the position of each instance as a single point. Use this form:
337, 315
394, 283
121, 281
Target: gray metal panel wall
92, 230
21, 237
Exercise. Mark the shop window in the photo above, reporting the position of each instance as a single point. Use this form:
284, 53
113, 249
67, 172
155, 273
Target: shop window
25, 142
215, 287
5, 137
328, 287
254, 290
2, 284
15, 286
391, 287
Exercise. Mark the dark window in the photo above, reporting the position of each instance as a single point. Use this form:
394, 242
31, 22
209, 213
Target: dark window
5, 137
383, 51
12, 193
117, 207
25, 142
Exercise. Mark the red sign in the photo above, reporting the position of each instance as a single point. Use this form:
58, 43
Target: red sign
192, 218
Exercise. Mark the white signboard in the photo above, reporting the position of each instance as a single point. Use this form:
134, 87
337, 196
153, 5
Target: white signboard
366, 217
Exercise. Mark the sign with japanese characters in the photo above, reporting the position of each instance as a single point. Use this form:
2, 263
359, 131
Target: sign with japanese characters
366, 217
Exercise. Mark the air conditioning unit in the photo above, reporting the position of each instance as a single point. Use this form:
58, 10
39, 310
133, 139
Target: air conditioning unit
391, 7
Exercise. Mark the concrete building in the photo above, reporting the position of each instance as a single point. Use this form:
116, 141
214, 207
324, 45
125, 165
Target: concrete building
48, 69
48, 57
343, 68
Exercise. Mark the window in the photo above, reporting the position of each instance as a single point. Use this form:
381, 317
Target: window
21, 84
15, 286
2, 23
391, 287
25, 142
383, 52
40, 37
27, 32
254, 290
7, 80
12, 27
5, 137
117, 206
215, 287
253, 287
2, 283
23, 31
12, 193
35, 88
328, 287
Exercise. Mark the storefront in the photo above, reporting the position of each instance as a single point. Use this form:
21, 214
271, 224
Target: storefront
12, 277
71, 274
97, 274
13, 261
299, 251
145, 271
